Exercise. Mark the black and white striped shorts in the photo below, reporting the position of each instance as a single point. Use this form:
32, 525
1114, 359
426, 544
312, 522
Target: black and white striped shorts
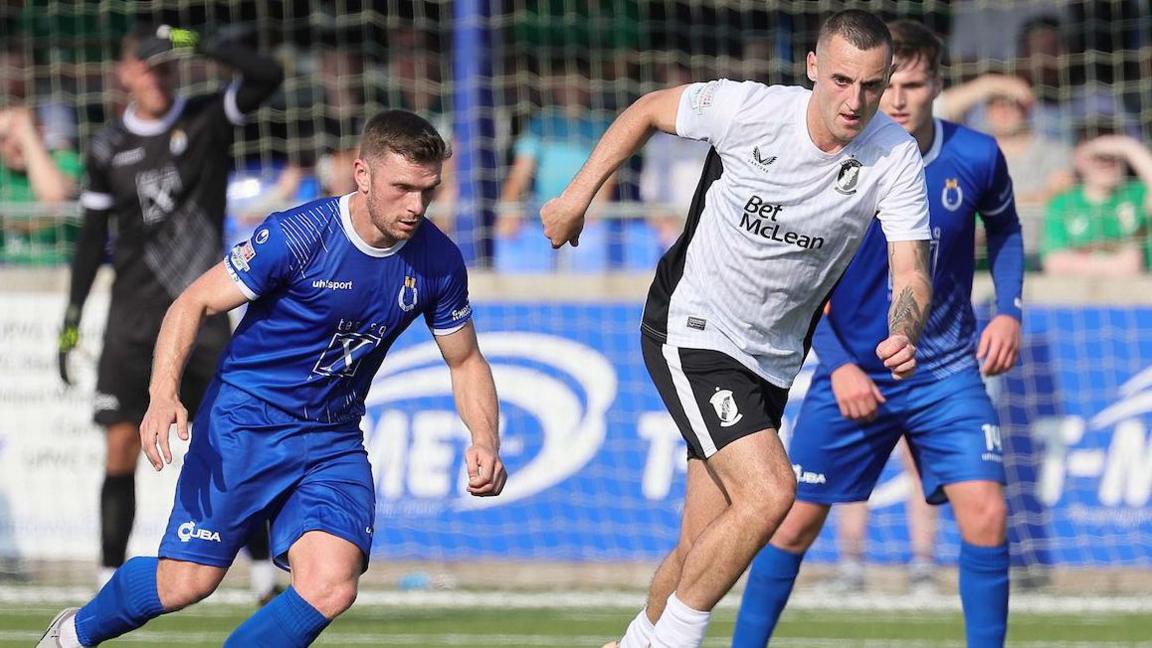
713, 398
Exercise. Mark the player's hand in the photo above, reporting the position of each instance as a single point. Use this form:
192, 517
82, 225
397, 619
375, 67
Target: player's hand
563, 219
486, 475
899, 355
999, 345
856, 394
166, 44
154, 429
67, 341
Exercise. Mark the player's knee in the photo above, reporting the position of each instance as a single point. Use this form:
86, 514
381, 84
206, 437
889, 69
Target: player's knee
799, 529
179, 586
330, 597
985, 521
762, 515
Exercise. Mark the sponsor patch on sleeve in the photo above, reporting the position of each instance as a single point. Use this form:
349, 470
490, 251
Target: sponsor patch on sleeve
241, 254
701, 97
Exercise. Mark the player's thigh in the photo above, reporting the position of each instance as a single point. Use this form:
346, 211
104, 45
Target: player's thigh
336, 495
713, 399
244, 457
836, 459
954, 434
123, 445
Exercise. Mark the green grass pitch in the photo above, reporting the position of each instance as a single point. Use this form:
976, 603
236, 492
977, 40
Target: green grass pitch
536, 628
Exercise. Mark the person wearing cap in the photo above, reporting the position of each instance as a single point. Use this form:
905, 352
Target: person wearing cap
156, 176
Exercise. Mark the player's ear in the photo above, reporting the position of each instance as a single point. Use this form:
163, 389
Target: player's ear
812, 67
362, 174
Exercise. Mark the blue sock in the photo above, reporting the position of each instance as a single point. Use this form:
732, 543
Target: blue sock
984, 594
770, 581
287, 622
125, 603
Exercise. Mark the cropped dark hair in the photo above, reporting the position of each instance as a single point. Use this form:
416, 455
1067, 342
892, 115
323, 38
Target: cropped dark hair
860, 28
405, 134
913, 42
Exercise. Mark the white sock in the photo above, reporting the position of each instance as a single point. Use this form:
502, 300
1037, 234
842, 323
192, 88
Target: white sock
639, 633
68, 637
262, 577
680, 626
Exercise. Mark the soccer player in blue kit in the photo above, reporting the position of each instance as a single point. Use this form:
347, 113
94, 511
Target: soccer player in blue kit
855, 412
330, 286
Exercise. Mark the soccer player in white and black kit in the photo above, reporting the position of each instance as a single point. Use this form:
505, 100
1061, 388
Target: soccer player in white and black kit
792, 182
157, 179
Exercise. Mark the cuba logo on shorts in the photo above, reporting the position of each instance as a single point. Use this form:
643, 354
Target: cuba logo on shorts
725, 406
188, 531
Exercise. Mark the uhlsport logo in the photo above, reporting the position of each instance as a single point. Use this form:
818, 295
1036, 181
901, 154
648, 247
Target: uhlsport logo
188, 531
554, 398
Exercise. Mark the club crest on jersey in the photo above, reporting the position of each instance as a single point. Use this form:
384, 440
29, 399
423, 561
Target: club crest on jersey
952, 195
262, 236
725, 406
408, 294
178, 143
848, 177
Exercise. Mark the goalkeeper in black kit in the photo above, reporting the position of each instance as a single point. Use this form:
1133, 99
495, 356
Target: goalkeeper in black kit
157, 178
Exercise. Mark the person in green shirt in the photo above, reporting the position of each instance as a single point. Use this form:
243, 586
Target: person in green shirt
1100, 227
31, 178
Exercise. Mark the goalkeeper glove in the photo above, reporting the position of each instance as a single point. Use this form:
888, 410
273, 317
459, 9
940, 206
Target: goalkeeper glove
69, 338
166, 44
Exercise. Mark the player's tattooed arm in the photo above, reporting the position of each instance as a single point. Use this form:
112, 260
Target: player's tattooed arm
911, 288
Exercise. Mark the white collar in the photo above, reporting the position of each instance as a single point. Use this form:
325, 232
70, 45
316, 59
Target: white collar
361, 244
937, 142
137, 125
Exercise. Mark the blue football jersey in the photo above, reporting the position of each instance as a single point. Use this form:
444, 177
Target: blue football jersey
325, 307
966, 177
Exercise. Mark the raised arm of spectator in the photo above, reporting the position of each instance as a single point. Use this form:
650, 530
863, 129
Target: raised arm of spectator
1133, 152
955, 102
49, 183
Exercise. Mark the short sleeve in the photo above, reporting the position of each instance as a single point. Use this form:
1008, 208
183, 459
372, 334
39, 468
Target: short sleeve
452, 310
999, 197
903, 208
707, 109
263, 262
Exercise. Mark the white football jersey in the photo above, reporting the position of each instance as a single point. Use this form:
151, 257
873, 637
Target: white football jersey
774, 223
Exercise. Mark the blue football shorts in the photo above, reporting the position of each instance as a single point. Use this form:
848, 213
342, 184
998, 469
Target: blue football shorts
250, 463
951, 426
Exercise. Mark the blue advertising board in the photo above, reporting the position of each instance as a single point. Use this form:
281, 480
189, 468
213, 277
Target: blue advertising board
596, 464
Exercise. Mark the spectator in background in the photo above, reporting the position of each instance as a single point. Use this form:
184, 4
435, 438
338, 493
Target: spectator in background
671, 172
1043, 84
1100, 226
548, 153
1040, 166
33, 172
